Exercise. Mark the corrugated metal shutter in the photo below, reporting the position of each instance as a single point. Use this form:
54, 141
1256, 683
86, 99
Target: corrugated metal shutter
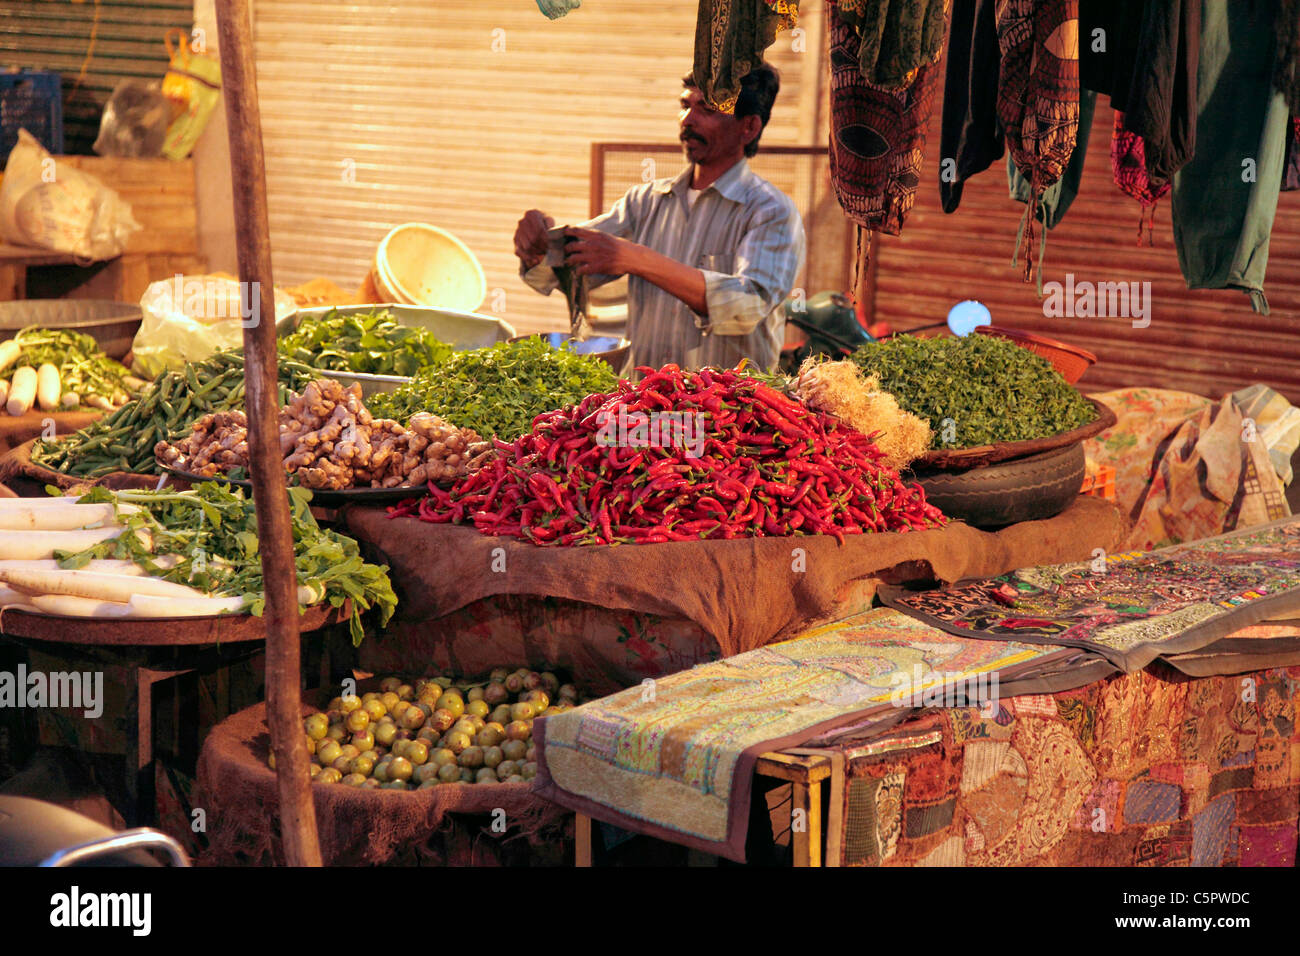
461, 116
55, 35
1209, 342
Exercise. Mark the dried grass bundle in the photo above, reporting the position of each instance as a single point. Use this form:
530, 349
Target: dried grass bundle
840, 389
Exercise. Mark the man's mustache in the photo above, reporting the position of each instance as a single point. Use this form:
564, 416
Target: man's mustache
688, 137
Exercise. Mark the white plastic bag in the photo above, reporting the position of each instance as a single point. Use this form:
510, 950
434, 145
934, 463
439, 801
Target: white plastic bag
187, 318
61, 208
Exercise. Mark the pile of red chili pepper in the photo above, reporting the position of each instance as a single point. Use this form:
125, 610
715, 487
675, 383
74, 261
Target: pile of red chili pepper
769, 466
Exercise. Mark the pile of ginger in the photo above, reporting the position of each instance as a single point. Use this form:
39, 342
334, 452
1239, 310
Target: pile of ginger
329, 440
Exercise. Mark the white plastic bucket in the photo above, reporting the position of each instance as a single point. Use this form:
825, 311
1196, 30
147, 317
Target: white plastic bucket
420, 264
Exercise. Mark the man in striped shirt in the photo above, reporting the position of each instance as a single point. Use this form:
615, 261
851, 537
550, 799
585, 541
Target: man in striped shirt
710, 255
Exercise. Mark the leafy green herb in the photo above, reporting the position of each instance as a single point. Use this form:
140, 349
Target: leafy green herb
976, 390
498, 390
210, 532
372, 342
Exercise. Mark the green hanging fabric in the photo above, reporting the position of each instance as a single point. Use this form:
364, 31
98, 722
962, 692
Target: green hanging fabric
730, 37
1225, 198
899, 37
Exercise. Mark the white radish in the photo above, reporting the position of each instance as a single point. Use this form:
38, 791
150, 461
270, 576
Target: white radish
70, 400
48, 388
95, 584
104, 565
22, 391
9, 352
144, 605
8, 596
69, 605
68, 518
4, 391
26, 546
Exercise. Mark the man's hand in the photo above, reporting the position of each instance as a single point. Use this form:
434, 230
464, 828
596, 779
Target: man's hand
530, 237
598, 253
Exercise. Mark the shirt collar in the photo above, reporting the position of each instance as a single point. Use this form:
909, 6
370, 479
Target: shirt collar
730, 185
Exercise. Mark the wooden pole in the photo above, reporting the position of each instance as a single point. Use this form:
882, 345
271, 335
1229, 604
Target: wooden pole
274, 528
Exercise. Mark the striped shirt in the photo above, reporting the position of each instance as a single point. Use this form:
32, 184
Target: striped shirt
747, 238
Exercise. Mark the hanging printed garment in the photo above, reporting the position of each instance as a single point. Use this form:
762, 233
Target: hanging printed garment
970, 139
1225, 198
877, 136
1144, 55
554, 9
1286, 75
1128, 164
898, 37
1058, 197
1038, 96
730, 37
1291, 169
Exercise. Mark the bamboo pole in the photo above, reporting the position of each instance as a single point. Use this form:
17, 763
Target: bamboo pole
261, 403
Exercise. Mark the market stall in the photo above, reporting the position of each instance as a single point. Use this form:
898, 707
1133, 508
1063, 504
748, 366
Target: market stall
876, 579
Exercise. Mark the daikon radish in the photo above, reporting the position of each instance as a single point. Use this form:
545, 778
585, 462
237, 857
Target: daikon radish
9, 352
48, 388
70, 400
68, 518
309, 595
95, 584
22, 391
4, 391
27, 545
9, 596
44, 502
145, 605
69, 605
103, 565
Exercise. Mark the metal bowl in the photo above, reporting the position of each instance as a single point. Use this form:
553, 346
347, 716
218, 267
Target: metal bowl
461, 330
112, 324
610, 349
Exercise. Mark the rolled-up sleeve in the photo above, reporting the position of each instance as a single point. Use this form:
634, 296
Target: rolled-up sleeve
769, 257
618, 222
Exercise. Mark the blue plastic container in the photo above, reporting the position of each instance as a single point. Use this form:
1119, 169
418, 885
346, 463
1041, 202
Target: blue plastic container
31, 100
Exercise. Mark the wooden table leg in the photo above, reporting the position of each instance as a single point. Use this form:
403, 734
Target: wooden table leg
807, 838
582, 835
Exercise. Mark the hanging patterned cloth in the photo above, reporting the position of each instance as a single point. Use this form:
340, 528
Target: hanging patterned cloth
1129, 166
877, 136
899, 37
1291, 168
554, 9
1286, 76
730, 37
1038, 98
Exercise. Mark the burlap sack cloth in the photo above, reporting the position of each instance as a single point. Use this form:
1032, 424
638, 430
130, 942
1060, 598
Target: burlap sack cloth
744, 593
237, 790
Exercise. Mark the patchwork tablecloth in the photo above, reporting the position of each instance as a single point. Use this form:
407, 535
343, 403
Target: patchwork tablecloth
674, 757
1141, 769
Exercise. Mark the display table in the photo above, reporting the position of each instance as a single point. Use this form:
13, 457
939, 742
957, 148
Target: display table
135, 656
